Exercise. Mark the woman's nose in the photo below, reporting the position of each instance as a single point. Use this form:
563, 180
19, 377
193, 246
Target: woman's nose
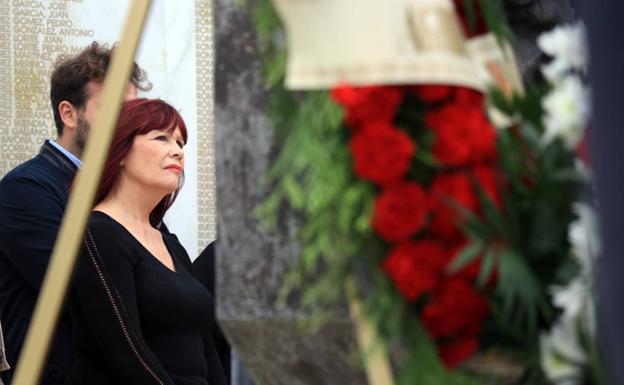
177, 152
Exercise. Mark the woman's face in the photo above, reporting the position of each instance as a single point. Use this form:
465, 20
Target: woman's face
156, 160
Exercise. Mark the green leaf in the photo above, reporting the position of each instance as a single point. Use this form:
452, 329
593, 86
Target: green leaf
293, 192
487, 266
309, 258
546, 233
267, 210
514, 228
569, 174
532, 136
492, 214
494, 15
275, 73
362, 223
467, 255
523, 299
470, 14
427, 158
424, 366
501, 102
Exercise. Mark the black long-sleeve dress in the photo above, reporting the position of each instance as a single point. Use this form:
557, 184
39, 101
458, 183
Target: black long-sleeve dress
136, 321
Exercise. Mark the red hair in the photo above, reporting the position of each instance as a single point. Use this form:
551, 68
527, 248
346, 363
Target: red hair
138, 117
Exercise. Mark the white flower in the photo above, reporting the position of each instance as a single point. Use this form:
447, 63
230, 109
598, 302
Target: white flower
567, 45
585, 242
562, 356
571, 298
576, 298
577, 302
567, 106
566, 110
583, 236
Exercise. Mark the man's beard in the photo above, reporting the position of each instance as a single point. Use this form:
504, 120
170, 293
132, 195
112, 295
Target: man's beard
82, 133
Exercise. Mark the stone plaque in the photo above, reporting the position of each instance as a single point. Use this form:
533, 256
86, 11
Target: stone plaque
176, 51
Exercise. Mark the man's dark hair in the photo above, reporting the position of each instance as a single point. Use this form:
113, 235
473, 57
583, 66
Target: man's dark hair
72, 73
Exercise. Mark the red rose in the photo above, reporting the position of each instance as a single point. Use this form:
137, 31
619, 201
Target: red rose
416, 267
453, 134
368, 104
468, 96
446, 192
454, 317
431, 93
457, 351
455, 309
400, 211
381, 153
484, 140
463, 135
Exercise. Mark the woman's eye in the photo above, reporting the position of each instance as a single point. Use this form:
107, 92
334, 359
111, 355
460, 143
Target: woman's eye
161, 137
180, 143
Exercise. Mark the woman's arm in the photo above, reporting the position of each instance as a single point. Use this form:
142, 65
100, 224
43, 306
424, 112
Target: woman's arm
105, 286
216, 375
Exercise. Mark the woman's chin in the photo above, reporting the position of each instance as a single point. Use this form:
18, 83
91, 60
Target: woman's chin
166, 189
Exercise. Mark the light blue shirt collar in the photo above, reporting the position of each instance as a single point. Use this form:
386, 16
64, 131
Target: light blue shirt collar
68, 154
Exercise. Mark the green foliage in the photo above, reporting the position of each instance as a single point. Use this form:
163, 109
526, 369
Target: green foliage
493, 14
520, 291
312, 174
542, 186
423, 365
495, 19
394, 320
471, 15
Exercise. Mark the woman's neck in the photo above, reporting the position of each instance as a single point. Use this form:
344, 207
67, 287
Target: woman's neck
130, 205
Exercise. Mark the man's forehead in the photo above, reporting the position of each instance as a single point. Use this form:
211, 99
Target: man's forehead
94, 88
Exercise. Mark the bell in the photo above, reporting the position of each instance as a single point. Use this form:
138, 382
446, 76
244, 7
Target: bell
376, 42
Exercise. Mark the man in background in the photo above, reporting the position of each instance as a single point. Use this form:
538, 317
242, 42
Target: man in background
33, 197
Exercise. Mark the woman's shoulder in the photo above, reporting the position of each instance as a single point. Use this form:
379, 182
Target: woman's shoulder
176, 247
106, 233
102, 222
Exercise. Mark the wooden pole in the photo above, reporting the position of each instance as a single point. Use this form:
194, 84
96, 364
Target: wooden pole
60, 269
376, 362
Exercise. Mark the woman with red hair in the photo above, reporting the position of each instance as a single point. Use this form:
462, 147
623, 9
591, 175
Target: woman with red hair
139, 314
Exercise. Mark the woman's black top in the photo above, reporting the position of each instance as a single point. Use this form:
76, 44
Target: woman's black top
136, 321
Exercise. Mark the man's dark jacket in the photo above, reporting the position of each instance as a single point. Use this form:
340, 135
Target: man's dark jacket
33, 197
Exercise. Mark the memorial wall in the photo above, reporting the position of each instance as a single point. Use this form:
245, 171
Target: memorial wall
176, 51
